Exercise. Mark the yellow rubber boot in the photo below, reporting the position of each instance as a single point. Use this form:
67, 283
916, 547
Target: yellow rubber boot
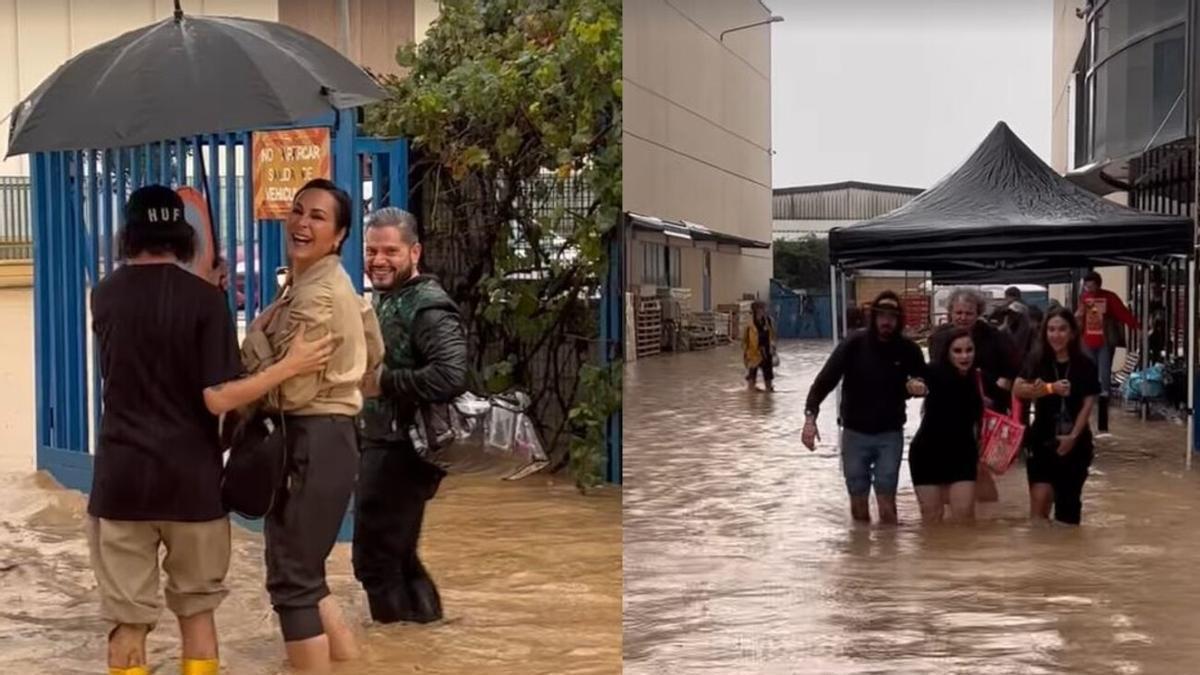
201, 667
132, 670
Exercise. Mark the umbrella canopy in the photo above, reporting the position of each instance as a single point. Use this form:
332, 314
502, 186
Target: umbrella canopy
1005, 209
185, 76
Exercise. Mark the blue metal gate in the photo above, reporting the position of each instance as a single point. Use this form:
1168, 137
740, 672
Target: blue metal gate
78, 200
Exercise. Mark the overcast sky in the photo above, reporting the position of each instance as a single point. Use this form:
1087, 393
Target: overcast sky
901, 91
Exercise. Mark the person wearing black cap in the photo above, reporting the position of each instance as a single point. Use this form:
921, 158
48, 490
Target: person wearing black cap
879, 370
170, 366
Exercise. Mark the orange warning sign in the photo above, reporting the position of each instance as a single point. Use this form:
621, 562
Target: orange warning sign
283, 162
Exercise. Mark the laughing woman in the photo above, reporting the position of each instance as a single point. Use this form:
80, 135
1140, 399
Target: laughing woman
318, 412
944, 455
1062, 382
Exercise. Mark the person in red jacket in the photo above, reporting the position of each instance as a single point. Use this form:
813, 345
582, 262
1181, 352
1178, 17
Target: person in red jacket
1101, 315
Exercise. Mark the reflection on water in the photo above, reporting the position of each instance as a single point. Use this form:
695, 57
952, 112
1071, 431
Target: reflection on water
740, 556
530, 576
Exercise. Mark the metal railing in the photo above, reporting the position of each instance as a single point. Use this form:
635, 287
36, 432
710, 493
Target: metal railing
16, 231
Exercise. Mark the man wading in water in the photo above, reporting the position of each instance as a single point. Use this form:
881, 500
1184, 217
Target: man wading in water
425, 362
879, 370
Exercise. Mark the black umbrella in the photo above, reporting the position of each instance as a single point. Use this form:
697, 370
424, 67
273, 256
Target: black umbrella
184, 76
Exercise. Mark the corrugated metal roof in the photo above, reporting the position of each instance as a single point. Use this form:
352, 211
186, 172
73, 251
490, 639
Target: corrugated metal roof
850, 200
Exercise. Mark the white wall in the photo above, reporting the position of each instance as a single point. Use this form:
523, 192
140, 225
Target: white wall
697, 132
425, 12
37, 36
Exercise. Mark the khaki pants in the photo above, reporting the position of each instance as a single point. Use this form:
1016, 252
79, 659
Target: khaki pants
124, 556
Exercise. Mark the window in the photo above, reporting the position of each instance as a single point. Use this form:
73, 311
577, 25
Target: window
662, 265
674, 267
1120, 22
1138, 95
654, 271
1133, 96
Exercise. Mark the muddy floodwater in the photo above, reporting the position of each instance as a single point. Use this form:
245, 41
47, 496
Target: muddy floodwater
740, 556
529, 571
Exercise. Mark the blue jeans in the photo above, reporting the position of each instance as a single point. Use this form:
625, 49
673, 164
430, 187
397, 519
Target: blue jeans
872, 459
1103, 356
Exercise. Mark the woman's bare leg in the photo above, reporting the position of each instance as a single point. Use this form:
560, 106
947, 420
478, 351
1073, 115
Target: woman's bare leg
961, 496
343, 645
929, 497
309, 656
1041, 498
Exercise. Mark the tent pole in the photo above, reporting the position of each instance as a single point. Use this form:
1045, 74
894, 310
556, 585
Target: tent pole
1191, 360
846, 302
1144, 299
833, 304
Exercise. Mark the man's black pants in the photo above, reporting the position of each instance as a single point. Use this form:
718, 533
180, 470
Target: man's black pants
393, 485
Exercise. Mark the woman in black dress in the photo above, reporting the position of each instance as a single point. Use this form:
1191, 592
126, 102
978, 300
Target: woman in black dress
1062, 382
944, 455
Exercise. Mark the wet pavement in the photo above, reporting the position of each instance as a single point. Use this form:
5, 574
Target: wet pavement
529, 571
740, 556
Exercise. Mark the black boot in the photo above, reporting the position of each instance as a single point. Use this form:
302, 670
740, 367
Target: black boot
1102, 415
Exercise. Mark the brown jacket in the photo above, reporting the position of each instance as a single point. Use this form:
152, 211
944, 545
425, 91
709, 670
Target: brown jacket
321, 301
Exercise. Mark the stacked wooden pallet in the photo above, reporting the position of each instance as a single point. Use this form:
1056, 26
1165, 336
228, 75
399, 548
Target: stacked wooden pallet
649, 327
723, 327
700, 331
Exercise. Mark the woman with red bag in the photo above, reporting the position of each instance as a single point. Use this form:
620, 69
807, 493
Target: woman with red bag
944, 455
1062, 382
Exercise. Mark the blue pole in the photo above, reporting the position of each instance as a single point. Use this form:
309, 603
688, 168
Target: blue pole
398, 175
346, 174
231, 212
248, 246
198, 165
611, 346
379, 182
181, 172
43, 295
106, 226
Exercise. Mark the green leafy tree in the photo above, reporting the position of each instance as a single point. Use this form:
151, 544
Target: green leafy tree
513, 108
803, 263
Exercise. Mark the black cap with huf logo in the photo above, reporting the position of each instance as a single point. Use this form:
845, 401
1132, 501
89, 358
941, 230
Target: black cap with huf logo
155, 205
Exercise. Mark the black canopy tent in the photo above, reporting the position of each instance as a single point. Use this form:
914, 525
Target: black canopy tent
1004, 208
1004, 214
1043, 277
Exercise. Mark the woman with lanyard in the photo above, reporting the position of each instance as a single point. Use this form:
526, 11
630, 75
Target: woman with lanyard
1062, 382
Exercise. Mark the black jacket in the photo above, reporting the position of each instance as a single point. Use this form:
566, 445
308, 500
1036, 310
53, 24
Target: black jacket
426, 356
874, 376
441, 375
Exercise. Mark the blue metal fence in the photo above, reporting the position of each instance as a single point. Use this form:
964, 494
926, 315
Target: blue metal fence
16, 232
804, 317
78, 199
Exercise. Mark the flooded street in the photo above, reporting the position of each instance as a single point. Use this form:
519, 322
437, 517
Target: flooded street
740, 556
530, 573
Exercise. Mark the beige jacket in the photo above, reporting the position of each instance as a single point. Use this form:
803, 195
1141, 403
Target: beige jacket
321, 301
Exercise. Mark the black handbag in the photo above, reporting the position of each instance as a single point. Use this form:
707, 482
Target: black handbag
257, 466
